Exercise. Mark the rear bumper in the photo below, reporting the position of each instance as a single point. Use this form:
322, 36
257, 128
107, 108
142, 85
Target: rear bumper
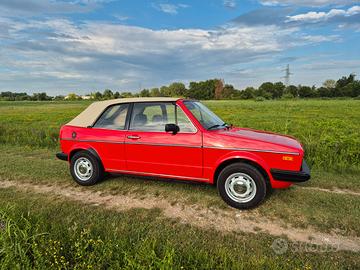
292, 176
62, 156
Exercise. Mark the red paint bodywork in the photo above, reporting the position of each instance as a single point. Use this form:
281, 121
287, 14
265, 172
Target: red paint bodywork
188, 156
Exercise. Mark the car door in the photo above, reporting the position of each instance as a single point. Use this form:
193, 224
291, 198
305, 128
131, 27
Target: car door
151, 150
108, 136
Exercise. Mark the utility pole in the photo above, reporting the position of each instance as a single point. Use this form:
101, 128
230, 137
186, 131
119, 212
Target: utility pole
287, 75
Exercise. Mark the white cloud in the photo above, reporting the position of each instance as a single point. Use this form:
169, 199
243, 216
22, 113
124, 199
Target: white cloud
60, 55
169, 8
332, 64
229, 3
323, 16
121, 17
311, 3
320, 38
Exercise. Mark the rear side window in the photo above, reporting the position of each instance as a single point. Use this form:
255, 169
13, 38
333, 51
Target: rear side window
114, 117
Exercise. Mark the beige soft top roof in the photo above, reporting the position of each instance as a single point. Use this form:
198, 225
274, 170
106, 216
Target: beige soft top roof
91, 113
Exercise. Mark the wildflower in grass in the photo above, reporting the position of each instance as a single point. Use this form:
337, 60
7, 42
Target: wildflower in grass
2, 225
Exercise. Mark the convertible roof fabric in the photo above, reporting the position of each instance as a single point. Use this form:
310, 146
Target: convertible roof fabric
91, 113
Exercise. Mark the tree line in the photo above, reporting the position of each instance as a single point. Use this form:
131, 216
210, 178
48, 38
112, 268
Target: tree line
347, 86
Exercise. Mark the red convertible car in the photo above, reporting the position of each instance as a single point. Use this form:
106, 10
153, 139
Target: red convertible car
179, 139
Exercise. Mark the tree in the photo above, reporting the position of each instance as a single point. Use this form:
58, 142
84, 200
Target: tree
324, 91
266, 90
329, 84
278, 90
351, 89
40, 97
116, 94
305, 91
345, 80
10, 96
155, 92
126, 95
219, 87
356, 89
22, 97
202, 90
97, 95
145, 93
72, 97
344, 86
165, 91
108, 94
59, 97
229, 91
271, 90
292, 90
177, 89
248, 93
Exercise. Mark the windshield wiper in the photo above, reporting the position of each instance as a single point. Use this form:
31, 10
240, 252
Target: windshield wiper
214, 126
217, 125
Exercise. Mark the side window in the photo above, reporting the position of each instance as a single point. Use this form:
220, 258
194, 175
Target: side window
114, 117
148, 117
154, 117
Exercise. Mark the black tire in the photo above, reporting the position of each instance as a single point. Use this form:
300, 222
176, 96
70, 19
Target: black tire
97, 172
258, 179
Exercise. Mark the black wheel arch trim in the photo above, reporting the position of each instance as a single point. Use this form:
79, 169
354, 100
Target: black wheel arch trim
94, 153
91, 151
62, 156
292, 176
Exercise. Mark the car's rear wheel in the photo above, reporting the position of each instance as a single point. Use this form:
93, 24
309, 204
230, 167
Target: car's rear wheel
86, 169
241, 185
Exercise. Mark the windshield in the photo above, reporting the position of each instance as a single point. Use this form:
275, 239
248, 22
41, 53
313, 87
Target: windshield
207, 118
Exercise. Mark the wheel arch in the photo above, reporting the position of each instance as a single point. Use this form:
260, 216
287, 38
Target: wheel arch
89, 149
231, 160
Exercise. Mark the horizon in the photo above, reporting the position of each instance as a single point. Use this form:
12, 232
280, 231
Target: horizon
60, 47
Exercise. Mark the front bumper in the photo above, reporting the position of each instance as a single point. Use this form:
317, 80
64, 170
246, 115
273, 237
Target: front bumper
62, 156
292, 176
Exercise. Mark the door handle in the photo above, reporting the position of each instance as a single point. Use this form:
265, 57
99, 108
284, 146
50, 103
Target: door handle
133, 137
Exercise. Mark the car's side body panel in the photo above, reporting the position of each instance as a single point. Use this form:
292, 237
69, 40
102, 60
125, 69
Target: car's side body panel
217, 156
108, 144
188, 156
164, 153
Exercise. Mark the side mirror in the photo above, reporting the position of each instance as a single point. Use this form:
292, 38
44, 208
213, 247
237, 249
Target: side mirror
172, 128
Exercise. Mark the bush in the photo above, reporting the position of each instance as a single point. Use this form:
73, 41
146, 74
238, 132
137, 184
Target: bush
260, 98
287, 96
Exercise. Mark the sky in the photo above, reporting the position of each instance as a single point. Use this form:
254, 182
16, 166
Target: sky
63, 46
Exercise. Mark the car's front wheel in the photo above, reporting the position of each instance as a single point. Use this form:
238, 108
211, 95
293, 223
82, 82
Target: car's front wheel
241, 185
85, 168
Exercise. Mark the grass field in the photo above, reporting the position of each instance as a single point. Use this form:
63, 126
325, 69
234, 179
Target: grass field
328, 129
49, 229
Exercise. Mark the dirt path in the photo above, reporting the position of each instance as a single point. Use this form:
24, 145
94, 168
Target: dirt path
333, 190
228, 220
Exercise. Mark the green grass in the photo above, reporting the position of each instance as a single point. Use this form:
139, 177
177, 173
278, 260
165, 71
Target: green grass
328, 129
35, 124
296, 207
42, 232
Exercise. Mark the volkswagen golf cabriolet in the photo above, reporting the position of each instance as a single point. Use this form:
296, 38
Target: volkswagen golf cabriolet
180, 139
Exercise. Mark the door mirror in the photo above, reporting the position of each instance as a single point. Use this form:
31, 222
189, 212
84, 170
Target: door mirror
172, 128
